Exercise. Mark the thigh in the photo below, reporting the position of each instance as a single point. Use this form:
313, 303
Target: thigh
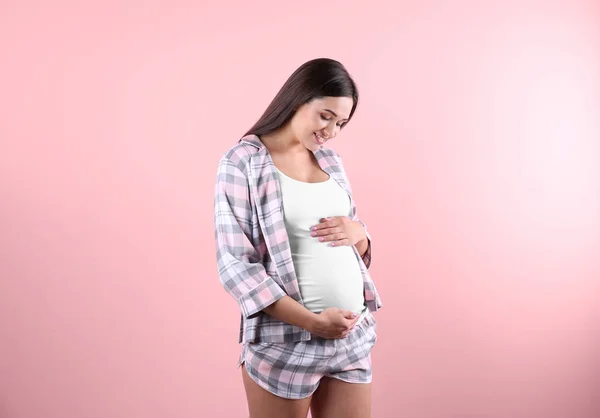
338, 399
263, 404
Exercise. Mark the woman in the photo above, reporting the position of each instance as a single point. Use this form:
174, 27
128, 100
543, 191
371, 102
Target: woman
293, 253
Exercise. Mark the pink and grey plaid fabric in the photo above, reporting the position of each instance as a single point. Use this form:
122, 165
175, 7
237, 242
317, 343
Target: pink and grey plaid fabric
294, 370
253, 252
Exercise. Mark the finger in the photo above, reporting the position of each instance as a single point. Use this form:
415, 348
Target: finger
339, 243
349, 314
336, 220
350, 324
326, 223
332, 237
353, 322
333, 219
326, 231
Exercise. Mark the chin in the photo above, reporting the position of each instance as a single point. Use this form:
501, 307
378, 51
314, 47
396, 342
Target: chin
314, 147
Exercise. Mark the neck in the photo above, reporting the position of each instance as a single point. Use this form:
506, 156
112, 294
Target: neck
283, 142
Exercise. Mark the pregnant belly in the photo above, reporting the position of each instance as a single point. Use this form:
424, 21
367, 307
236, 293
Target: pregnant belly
329, 277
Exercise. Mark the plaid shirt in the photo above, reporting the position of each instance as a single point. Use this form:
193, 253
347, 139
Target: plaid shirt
253, 252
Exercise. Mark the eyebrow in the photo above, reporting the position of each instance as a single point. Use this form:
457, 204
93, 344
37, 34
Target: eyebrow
333, 113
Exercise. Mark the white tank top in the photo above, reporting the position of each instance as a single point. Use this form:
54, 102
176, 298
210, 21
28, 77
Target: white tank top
327, 276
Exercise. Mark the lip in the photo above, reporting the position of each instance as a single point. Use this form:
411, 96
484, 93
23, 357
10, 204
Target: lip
319, 141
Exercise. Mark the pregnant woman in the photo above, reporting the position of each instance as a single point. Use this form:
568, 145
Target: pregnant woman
293, 253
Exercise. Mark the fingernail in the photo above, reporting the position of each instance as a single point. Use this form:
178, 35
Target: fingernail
321, 239
332, 244
314, 228
314, 234
355, 315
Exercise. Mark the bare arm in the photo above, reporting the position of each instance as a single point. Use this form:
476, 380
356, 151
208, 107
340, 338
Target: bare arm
288, 310
362, 246
331, 323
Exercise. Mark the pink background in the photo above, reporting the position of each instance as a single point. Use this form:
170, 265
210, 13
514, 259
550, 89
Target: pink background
474, 155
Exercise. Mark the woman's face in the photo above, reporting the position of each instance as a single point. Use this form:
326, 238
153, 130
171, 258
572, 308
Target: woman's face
320, 120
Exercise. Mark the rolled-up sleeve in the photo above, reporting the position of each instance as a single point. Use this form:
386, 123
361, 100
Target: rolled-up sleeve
239, 264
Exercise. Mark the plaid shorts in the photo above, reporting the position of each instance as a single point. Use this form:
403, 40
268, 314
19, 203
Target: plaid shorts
294, 370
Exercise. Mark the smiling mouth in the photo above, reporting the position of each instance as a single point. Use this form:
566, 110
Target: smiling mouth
320, 139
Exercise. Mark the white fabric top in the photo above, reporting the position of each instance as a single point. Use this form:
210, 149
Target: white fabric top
327, 276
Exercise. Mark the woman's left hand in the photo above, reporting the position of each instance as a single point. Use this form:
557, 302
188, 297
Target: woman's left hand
339, 230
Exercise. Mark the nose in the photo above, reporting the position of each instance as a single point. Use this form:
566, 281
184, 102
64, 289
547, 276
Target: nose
331, 129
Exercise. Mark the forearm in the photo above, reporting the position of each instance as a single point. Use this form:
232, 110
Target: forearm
362, 246
288, 310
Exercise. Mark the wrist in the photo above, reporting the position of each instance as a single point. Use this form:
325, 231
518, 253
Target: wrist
310, 322
362, 246
363, 233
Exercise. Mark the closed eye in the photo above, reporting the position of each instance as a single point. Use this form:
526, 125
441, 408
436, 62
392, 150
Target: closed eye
328, 119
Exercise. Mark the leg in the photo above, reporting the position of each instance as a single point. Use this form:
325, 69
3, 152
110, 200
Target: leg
335, 396
338, 399
263, 404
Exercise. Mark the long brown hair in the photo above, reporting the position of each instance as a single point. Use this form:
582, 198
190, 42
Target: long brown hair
315, 79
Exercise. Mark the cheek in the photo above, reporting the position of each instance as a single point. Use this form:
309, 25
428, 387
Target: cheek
311, 124
319, 124
308, 123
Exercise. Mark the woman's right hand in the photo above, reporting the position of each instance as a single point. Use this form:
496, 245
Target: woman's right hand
334, 323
